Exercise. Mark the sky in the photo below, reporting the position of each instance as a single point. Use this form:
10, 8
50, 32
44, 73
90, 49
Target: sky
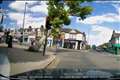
98, 26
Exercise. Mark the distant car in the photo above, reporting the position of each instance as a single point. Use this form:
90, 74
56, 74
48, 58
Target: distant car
99, 49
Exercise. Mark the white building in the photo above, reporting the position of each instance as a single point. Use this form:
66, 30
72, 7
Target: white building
72, 38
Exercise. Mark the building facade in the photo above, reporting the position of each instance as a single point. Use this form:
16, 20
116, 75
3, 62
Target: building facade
31, 34
115, 39
115, 43
72, 39
68, 38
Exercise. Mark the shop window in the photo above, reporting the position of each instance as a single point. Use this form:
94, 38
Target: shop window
25, 39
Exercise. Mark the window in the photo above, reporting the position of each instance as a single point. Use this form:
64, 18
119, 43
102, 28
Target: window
72, 36
25, 39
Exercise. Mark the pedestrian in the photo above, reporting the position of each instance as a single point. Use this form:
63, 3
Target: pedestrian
9, 39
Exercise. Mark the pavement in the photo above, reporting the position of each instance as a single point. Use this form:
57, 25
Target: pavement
19, 60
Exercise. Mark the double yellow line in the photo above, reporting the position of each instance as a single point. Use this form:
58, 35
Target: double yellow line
53, 64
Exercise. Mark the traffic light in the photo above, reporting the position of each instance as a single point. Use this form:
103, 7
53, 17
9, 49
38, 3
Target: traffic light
48, 25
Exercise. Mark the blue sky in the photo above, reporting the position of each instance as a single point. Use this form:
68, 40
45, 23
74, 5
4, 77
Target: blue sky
98, 26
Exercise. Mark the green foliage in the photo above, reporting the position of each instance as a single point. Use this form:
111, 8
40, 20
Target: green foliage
55, 32
105, 45
59, 15
56, 22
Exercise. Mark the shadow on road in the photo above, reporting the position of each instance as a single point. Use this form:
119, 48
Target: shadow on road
18, 55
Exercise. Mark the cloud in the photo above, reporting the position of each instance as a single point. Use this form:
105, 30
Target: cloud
103, 36
110, 17
42, 8
19, 5
117, 7
33, 7
113, 2
35, 22
18, 17
29, 20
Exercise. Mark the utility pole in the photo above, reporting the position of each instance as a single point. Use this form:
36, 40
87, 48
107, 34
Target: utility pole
88, 36
1, 16
24, 23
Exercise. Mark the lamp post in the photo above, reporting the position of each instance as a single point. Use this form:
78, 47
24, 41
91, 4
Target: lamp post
2, 16
24, 23
88, 36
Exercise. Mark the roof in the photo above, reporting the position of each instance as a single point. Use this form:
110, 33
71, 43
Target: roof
68, 30
114, 35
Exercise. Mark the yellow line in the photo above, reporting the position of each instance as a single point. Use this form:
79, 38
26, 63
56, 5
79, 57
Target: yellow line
53, 64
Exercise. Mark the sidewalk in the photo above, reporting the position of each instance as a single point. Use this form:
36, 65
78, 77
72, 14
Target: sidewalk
22, 60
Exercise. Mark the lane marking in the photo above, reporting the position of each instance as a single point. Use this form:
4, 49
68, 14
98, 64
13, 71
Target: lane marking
53, 64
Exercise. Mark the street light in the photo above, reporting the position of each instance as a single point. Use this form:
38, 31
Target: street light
88, 36
24, 21
1, 17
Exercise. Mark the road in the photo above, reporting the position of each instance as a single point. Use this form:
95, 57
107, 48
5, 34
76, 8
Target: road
72, 59
77, 63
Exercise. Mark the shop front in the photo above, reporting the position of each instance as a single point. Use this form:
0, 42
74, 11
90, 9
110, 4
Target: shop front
73, 44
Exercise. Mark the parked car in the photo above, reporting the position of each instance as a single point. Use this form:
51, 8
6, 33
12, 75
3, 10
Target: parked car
99, 49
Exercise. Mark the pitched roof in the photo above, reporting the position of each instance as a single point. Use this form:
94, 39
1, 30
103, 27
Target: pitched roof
68, 30
115, 34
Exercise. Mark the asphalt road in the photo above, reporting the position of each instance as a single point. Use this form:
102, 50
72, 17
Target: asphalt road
4, 63
75, 63
74, 59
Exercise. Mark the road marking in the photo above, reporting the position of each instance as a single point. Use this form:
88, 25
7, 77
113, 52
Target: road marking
53, 64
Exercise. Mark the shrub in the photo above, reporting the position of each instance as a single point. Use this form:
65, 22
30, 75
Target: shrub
88, 47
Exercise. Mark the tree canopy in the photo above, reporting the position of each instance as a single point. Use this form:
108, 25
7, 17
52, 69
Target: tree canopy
60, 10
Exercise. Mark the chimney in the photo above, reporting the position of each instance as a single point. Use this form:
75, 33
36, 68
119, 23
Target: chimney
113, 31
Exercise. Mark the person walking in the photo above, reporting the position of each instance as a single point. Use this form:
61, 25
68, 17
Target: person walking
9, 39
